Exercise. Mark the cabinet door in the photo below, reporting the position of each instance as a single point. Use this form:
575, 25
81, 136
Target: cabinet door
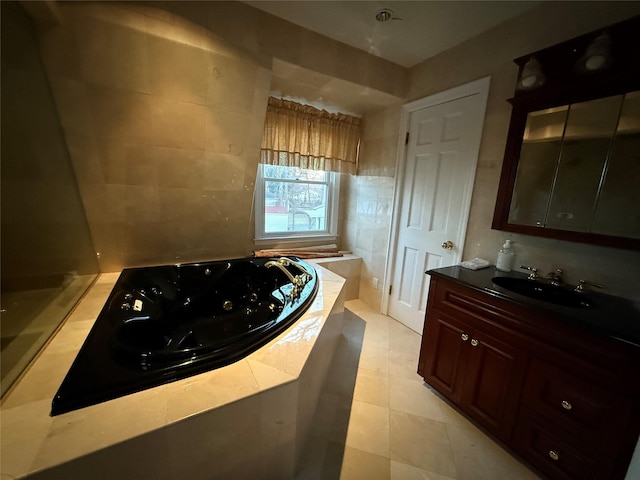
493, 381
444, 352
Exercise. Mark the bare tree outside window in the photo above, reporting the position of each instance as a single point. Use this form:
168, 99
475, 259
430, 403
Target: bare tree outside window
295, 199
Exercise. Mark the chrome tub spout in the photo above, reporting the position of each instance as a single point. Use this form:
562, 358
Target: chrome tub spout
298, 281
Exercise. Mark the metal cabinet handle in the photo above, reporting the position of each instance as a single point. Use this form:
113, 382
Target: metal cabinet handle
566, 405
448, 245
554, 455
474, 342
464, 336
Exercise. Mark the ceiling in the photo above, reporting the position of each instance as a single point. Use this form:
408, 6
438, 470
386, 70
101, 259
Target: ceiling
302, 85
416, 31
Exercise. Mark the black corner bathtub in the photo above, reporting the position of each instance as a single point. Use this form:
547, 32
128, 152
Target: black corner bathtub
164, 323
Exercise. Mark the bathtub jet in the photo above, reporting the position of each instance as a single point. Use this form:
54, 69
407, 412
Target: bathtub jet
165, 323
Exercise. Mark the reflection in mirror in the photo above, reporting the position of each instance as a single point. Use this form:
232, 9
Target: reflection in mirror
537, 166
579, 168
618, 208
589, 129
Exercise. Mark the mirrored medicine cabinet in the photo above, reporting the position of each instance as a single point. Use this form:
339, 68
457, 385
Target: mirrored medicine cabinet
572, 161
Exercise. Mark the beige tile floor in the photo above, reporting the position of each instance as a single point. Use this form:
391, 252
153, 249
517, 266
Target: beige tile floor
378, 420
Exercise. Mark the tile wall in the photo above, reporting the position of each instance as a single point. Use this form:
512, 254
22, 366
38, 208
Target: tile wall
163, 124
370, 200
491, 54
162, 106
44, 231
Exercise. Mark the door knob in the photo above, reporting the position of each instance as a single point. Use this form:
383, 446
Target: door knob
448, 245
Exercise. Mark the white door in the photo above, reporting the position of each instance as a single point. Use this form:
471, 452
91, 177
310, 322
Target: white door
435, 194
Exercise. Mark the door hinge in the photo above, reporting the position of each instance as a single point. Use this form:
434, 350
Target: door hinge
390, 289
406, 139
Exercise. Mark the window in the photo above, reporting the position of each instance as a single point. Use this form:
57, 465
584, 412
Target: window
296, 203
304, 150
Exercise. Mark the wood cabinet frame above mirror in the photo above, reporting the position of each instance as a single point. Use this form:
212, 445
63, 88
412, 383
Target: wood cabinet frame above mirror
567, 83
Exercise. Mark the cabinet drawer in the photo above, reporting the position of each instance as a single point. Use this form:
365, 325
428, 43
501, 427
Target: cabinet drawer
595, 415
556, 453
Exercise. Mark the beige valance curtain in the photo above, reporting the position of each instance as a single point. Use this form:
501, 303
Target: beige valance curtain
297, 135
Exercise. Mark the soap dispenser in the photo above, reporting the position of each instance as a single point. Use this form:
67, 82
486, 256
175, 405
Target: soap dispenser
506, 257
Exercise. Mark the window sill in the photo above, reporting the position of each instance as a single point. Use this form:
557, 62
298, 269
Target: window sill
266, 241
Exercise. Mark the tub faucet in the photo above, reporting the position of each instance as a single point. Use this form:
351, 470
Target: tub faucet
298, 281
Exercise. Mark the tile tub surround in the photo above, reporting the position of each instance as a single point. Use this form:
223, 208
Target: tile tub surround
250, 418
348, 267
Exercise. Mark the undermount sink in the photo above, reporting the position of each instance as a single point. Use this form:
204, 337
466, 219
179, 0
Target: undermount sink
545, 292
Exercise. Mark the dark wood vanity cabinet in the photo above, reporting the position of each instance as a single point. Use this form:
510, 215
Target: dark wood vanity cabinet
474, 370
565, 399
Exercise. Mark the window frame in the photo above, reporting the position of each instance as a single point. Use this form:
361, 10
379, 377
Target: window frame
330, 233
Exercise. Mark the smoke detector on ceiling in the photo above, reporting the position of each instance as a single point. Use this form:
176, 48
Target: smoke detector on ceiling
386, 14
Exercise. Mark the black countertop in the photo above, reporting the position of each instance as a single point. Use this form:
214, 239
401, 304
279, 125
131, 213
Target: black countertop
608, 315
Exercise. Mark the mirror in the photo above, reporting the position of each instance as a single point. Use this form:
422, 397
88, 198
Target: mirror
572, 162
577, 165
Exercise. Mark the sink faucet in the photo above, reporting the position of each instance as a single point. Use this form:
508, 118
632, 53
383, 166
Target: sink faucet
581, 286
534, 272
298, 281
555, 277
